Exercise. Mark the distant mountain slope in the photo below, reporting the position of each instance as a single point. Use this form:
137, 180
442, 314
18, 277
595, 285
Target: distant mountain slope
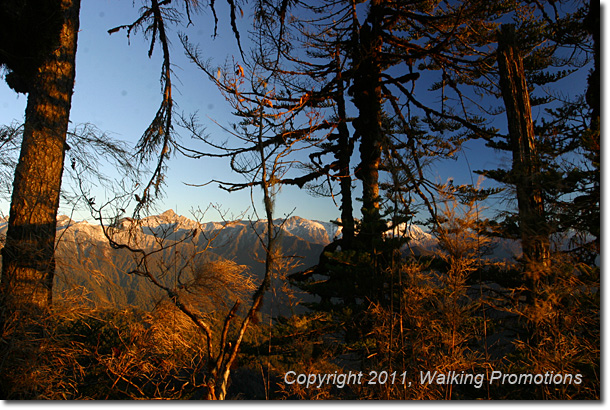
86, 261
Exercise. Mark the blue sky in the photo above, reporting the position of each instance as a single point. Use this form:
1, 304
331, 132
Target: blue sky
118, 90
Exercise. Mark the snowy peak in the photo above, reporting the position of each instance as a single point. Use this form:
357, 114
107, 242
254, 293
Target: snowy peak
169, 214
169, 218
414, 232
311, 231
172, 226
333, 229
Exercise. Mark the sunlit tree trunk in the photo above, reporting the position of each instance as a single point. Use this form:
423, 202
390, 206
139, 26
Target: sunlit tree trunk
532, 220
28, 262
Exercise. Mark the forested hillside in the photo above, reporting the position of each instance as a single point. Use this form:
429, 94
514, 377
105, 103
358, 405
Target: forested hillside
458, 143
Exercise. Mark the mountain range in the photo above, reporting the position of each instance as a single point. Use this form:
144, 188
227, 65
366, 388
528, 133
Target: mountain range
89, 266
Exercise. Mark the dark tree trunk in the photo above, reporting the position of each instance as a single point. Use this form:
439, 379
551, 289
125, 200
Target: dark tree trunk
366, 91
533, 224
343, 154
28, 262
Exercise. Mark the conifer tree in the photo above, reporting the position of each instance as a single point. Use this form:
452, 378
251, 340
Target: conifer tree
514, 88
384, 44
547, 165
28, 261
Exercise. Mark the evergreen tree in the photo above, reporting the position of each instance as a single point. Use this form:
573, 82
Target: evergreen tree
384, 43
547, 171
525, 168
28, 261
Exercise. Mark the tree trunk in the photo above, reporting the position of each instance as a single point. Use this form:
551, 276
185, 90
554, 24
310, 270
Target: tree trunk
532, 220
343, 154
28, 262
366, 91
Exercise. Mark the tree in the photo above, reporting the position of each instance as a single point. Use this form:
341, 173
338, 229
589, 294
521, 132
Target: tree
43, 66
158, 141
28, 262
29, 33
513, 84
582, 211
591, 142
311, 55
553, 170
367, 65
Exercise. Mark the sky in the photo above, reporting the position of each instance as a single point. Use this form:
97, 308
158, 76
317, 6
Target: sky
118, 90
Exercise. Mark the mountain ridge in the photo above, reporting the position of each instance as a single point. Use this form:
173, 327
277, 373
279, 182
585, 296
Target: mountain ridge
86, 260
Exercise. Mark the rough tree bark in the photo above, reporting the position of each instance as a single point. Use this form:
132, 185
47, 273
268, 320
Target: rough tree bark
532, 220
28, 262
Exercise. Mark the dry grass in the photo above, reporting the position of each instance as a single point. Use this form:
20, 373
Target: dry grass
80, 351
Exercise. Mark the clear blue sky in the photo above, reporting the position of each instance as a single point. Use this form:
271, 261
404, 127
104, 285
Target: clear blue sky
118, 90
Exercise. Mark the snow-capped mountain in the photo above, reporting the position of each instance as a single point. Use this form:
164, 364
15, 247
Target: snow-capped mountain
311, 231
86, 260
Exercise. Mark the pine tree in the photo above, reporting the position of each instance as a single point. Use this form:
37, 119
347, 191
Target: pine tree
547, 153
28, 264
514, 88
